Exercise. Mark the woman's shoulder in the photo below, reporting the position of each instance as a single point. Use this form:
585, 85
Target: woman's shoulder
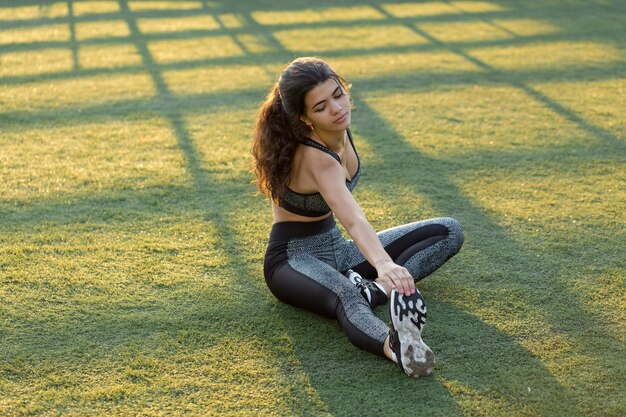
317, 153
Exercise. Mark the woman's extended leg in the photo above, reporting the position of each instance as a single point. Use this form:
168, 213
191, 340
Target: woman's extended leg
306, 282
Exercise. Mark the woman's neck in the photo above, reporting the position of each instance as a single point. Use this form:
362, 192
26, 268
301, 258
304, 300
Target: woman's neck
332, 140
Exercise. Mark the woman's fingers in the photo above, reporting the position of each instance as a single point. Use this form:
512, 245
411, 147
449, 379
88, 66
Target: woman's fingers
397, 277
402, 281
409, 282
407, 286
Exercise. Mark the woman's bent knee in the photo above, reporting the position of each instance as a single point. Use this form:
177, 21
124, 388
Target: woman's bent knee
455, 233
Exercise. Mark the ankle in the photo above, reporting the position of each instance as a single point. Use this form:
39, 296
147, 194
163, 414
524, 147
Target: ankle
388, 351
386, 287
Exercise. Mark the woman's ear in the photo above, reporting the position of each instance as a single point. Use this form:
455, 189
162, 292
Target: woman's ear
306, 121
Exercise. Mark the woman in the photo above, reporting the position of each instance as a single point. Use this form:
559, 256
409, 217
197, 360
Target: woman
305, 161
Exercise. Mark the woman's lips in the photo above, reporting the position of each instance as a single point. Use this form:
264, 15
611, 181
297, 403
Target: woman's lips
341, 119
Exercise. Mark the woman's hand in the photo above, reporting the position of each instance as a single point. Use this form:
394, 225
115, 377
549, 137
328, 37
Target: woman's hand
395, 277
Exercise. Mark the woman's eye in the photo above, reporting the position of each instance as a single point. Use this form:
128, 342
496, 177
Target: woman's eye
319, 109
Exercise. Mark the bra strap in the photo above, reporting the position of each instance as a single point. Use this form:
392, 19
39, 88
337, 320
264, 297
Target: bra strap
313, 144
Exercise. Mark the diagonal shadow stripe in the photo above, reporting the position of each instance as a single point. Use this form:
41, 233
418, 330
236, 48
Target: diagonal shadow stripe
164, 96
73, 41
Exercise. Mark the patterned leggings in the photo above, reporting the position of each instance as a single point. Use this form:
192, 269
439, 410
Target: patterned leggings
305, 262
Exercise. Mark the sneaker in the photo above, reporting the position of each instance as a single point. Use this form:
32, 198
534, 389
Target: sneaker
373, 292
408, 316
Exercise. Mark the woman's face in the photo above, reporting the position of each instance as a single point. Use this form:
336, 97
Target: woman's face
327, 107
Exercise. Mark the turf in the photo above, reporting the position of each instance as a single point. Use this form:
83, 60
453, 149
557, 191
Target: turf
131, 238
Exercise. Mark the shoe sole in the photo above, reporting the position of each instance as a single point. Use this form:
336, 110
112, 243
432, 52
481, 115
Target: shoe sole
408, 315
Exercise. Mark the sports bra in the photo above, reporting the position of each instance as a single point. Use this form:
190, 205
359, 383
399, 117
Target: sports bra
313, 205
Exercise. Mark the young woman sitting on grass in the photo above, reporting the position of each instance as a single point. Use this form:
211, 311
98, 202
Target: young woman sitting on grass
306, 162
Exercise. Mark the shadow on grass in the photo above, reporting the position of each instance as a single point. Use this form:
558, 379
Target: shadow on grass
475, 358
476, 363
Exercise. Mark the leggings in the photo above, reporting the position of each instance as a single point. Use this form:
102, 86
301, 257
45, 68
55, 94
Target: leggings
305, 262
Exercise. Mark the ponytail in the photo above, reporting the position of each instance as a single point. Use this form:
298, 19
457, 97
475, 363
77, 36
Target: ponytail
274, 144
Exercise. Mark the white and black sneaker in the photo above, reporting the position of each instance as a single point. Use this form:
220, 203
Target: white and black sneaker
408, 316
373, 292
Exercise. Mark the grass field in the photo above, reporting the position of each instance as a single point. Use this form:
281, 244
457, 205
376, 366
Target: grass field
131, 240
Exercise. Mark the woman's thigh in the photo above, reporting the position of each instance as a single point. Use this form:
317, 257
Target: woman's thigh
309, 283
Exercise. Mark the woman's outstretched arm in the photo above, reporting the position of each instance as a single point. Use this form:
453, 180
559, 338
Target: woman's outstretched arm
329, 177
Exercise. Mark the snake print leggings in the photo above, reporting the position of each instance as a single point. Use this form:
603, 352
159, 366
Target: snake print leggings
305, 262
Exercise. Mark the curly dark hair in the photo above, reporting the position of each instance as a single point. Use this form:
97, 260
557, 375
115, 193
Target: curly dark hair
279, 127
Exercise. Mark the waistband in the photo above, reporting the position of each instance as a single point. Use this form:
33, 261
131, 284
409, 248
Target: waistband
291, 230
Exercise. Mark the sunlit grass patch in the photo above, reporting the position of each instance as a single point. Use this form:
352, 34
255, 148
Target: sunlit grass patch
562, 191
355, 37
406, 10
253, 359
87, 7
46, 10
581, 199
142, 5
431, 8
474, 400
108, 56
592, 19
248, 224
554, 341
600, 103
477, 6
102, 30
527, 27
519, 380
392, 65
216, 78
464, 31
87, 91
223, 140
108, 287
254, 44
35, 62
199, 48
495, 30
28, 35
127, 263
461, 120
318, 15
382, 204
565, 56
504, 305
178, 24
366, 150
603, 292
88, 158
158, 253
232, 20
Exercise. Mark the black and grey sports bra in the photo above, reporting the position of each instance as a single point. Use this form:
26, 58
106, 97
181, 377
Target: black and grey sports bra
313, 205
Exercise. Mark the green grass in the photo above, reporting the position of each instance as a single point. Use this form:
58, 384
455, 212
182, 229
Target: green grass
131, 240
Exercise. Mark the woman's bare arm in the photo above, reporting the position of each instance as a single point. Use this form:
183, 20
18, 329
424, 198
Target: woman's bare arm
329, 177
